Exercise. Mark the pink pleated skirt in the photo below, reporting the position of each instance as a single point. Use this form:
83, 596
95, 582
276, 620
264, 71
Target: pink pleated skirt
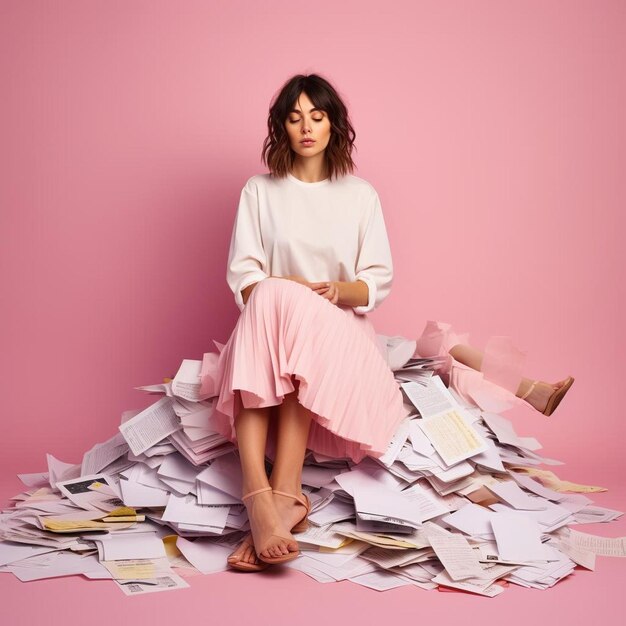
288, 338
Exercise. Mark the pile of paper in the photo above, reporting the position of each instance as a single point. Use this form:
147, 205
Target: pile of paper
457, 501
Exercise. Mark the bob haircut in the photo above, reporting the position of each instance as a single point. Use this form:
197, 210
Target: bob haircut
277, 153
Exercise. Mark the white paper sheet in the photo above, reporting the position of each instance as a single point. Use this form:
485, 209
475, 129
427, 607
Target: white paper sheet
184, 509
511, 494
432, 399
601, 546
518, 538
206, 556
137, 495
103, 454
150, 425
167, 582
456, 555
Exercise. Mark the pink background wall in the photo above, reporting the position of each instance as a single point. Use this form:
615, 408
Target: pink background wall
493, 131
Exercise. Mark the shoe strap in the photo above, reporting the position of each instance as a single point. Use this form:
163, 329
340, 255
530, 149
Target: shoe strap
253, 493
529, 390
291, 495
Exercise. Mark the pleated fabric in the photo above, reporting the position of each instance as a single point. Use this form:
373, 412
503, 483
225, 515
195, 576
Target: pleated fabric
493, 388
287, 330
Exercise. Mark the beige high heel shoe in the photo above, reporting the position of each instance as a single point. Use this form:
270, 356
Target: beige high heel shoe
555, 398
263, 543
303, 524
244, 566
300, 527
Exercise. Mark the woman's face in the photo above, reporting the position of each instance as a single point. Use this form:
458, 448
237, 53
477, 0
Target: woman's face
307, 122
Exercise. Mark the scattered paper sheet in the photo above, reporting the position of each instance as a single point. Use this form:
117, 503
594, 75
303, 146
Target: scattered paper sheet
185, 509
430, 400
205, 555
102, 454
379, 581
150, 426
579, 555
455, 554
600, 546
369, 523
63, 564
186, 383
471, 519
474, 586
504, 431
389, 507
510, 493
11, 552
321, 536
167, 582
518, 538
452, 436
551, 480
138, 569
138, 495
92, 493
130, 545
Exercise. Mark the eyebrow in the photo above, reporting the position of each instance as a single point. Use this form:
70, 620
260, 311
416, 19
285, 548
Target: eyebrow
310, 111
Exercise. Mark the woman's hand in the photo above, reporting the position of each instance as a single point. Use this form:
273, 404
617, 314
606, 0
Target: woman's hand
328, 290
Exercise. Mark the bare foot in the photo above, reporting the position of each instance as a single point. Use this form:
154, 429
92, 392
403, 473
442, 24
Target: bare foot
290, 511
245, 552
271, 537
540, 395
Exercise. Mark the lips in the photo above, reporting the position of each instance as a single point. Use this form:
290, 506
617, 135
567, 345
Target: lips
308, 141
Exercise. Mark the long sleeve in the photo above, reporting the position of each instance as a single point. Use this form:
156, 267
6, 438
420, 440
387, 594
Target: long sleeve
374, 265
247, 261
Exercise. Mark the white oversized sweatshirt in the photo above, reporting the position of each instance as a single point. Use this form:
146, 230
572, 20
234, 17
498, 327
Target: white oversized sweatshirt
322, 231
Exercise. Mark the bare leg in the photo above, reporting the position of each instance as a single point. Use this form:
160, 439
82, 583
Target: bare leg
539, 396
292, 432
252, 427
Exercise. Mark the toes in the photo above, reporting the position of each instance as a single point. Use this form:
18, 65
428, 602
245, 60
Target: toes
248, 555
279, 549
238, 553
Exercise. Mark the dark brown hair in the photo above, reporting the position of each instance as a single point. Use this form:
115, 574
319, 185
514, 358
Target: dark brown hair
277, 153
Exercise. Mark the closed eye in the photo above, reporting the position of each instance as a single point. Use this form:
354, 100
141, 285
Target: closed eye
296, 121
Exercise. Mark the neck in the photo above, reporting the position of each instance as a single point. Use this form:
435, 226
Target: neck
310, 170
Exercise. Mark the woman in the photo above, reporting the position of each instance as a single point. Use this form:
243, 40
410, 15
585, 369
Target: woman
309, 258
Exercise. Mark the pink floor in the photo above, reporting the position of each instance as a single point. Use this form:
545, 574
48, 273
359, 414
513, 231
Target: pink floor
288, 597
